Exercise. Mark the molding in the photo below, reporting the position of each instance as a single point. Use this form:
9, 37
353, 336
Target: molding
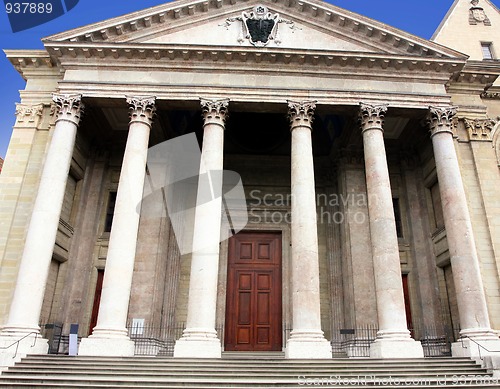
152, 55
167, 16
491, 95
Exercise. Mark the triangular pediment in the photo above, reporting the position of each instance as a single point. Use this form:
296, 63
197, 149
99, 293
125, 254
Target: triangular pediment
302, 25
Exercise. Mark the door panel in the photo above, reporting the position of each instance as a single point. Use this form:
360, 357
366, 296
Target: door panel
253, 307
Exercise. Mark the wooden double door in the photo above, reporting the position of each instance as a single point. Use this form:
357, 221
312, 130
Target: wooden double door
253, 303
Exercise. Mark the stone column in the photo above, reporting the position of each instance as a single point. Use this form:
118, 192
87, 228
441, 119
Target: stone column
306, 339
41, 236
472, 308
200, 338
110, 336
393, 338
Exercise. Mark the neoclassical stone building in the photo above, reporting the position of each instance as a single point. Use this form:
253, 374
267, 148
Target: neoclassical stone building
369, 159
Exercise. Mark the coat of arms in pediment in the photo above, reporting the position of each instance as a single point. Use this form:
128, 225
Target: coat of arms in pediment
259, 26
477, 14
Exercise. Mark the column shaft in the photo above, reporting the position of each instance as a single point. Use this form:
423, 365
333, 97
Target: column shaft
40, 239
306, 339
384, 242
110, 334
200, 337
472, 308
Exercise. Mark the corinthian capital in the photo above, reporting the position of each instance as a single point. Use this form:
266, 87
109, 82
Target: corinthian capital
479, 129
440, 119
301, 113
70, 107
141, 109
29, 114
214, 111
372, 116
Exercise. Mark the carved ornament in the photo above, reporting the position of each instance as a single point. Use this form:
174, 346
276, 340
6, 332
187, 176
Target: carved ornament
479, 129
142, 109
70, 107
372, 116
477, 14
301, 114
440, 119
214, 111
259, 26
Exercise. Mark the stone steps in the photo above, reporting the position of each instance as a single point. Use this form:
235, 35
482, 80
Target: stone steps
149, 372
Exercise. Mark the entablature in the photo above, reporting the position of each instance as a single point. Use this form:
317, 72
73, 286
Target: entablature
158, 55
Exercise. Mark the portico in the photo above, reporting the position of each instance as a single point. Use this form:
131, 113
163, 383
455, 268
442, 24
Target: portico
357, 217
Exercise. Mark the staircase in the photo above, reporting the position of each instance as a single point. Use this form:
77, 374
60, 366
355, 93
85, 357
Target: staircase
245, 371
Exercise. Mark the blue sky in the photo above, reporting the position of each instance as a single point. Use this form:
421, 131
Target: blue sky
419, 17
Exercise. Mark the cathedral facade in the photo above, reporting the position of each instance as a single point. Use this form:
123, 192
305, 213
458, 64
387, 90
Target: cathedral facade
205, 177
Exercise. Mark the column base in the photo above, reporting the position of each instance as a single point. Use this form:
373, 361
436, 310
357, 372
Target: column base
308, 345
476, 349
396, 348
198, 347
29, 345
98, 346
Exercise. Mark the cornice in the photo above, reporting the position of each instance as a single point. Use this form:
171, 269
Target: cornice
87, 52
168, 15
31, 59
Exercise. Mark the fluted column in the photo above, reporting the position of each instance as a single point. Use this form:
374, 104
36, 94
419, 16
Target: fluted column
110, 337
306, 339
393, 338
199, 339
41, 236
472, 308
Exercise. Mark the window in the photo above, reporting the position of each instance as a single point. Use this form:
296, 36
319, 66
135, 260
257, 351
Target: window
397, 217
487, 50
110, 212
437, 206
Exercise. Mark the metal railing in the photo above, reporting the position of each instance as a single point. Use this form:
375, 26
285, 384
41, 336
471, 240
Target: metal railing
356, 342
16, 343
479, 347
159, 341
346, 342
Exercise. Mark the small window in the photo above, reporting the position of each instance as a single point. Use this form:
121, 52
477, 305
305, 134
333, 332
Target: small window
397, 217
110, 212
487, 50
